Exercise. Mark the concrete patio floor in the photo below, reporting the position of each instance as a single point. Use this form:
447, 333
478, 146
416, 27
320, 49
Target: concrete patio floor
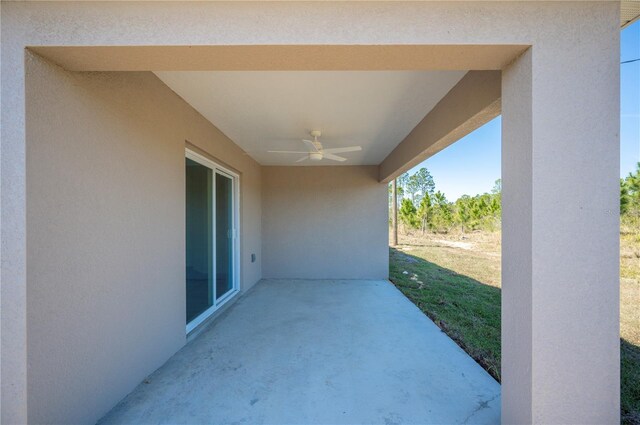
317, 352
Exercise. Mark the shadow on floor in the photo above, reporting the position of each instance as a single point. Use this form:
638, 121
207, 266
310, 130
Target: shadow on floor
630, 382
469, 312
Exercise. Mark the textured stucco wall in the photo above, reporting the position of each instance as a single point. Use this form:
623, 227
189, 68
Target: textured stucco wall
106, 233
324, 222
570, 84
560, 265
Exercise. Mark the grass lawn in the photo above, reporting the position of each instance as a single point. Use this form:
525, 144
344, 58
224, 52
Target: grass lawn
456, 282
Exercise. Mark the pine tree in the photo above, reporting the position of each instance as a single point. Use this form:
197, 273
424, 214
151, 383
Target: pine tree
624, 197
424, 212
408, 213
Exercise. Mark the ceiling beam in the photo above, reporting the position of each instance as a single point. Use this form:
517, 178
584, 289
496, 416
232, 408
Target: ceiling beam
307, 57
474, 101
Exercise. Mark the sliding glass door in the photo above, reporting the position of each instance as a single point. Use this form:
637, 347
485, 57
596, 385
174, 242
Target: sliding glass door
211, 237
199, 191
224, 235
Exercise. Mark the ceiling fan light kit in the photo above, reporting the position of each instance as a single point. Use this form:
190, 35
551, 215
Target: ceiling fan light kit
318, 153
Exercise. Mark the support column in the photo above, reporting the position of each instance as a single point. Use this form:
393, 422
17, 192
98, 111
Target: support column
13, 292
394, 211
560, 243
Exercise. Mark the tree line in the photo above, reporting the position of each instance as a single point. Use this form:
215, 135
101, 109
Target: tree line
630, 197
421, 207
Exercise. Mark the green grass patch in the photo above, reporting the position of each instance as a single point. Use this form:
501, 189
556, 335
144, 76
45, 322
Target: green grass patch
629, 383
467, 310
459, 289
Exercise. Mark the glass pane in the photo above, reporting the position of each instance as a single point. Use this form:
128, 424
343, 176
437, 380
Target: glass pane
199, 238
224, 235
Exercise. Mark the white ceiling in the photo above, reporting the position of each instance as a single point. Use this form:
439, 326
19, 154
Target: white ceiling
274, 110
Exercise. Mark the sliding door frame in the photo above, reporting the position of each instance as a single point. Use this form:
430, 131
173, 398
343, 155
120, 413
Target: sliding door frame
235, 179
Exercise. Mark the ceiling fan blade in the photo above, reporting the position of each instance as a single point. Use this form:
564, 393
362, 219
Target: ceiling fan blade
310, 144
287, 152
343, 150
333, 157
303, 158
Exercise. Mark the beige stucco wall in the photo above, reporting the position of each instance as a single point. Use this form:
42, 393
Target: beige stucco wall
324, 222
106, 233
562, 107
560, 237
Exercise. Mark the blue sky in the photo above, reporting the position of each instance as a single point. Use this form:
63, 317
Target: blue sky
472, 164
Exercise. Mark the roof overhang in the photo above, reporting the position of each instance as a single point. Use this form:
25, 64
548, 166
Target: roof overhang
629, 12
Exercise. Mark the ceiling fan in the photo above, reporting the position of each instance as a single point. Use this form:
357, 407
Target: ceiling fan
317, 152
